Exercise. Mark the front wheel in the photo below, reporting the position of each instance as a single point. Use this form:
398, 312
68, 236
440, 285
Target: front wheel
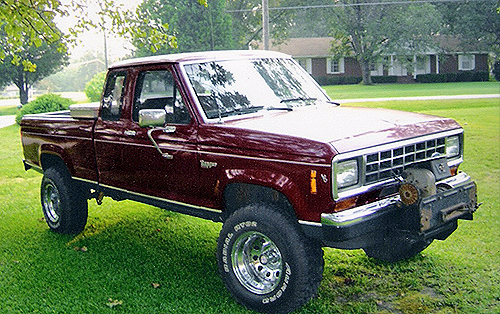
63, 202
266, 262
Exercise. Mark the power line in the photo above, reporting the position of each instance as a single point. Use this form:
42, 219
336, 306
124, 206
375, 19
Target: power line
342, 5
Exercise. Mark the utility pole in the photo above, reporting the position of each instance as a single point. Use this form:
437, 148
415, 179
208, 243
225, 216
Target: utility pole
265, 24
105, 48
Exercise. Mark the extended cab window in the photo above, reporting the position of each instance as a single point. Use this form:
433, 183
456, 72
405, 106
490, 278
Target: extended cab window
157, 90
112, 102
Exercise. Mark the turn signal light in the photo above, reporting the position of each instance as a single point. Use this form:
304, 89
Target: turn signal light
314, 187
345, 204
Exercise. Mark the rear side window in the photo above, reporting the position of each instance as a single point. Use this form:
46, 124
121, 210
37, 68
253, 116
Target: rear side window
114, 93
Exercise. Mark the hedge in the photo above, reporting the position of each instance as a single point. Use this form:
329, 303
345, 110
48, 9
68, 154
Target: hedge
384, 79
338, 80
466, 76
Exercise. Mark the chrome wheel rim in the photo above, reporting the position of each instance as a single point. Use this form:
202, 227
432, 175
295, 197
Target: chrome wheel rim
51, 202
257, 262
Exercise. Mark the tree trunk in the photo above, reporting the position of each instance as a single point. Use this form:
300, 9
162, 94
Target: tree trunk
23, 87
365, 72
23, 94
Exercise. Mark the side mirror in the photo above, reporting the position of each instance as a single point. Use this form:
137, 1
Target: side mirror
152, 117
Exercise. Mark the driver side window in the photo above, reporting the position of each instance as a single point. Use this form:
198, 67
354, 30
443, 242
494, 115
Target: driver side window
157, 90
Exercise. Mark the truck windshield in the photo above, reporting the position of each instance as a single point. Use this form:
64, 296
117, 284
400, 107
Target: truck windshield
236, 87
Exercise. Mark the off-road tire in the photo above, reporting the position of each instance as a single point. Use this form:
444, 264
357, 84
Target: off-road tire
265, 260
64, 204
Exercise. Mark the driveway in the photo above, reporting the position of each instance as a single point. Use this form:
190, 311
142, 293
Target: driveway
7, 120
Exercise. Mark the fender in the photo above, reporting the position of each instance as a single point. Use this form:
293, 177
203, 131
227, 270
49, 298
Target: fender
264, 185
57, 152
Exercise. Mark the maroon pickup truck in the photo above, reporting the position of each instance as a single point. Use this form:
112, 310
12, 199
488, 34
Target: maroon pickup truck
248, 139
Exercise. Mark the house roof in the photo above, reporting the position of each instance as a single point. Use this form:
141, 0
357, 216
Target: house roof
305, 47
320, 47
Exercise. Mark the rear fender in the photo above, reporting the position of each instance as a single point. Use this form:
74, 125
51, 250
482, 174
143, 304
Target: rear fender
51, 155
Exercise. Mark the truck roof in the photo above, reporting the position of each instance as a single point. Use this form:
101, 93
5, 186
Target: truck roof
200, 57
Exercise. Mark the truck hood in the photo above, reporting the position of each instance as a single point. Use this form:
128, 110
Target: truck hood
347, 128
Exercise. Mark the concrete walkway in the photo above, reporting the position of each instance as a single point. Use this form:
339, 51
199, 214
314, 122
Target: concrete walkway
7, 120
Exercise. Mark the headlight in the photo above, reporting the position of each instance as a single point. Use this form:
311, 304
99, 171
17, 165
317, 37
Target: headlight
346, 173
452, 146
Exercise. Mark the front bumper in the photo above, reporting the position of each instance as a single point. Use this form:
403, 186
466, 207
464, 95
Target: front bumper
434, 217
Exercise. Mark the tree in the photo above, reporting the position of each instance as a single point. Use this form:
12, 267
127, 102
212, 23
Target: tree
369, 30
31, 23
476, 23
195, 27
43, 60
247, 20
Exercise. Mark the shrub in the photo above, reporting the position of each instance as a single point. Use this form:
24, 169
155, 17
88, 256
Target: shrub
44, 103
496, 70
451, 77
432, 78
384, 79
93, 88
466, 76
481, 76
338, 80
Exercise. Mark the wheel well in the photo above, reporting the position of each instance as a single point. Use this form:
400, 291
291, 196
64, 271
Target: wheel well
49, 160
238, 195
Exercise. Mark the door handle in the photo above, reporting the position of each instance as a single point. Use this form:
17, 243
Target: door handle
164, 155
130, 132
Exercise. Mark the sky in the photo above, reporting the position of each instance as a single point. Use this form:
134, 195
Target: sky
94, 40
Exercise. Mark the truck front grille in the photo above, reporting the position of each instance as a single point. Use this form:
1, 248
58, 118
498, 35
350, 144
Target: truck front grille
384, 165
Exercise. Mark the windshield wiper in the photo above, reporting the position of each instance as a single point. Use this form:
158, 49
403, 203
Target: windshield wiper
240, 111
280, 108
297, 99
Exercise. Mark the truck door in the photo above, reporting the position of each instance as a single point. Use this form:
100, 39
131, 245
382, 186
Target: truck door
108, 132
159, 161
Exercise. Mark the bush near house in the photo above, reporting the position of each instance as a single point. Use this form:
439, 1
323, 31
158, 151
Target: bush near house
384, 79
44, 103
466, 76
496, 70
338, 80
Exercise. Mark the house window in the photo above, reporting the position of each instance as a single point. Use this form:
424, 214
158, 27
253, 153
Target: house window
421, 64
306, 63
335, 66
466, 62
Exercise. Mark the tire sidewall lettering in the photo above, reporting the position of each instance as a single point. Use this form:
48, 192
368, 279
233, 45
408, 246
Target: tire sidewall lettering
281, 290
226, 259
225, 247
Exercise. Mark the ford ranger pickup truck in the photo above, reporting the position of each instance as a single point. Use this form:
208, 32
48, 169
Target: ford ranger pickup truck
248, 138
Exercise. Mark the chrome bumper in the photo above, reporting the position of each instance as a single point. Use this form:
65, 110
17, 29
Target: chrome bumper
366, 212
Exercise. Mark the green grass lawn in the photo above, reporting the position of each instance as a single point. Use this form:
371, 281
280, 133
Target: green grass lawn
8, 110
155, 261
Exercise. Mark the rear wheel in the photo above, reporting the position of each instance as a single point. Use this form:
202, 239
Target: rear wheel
266, 262
63, 202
